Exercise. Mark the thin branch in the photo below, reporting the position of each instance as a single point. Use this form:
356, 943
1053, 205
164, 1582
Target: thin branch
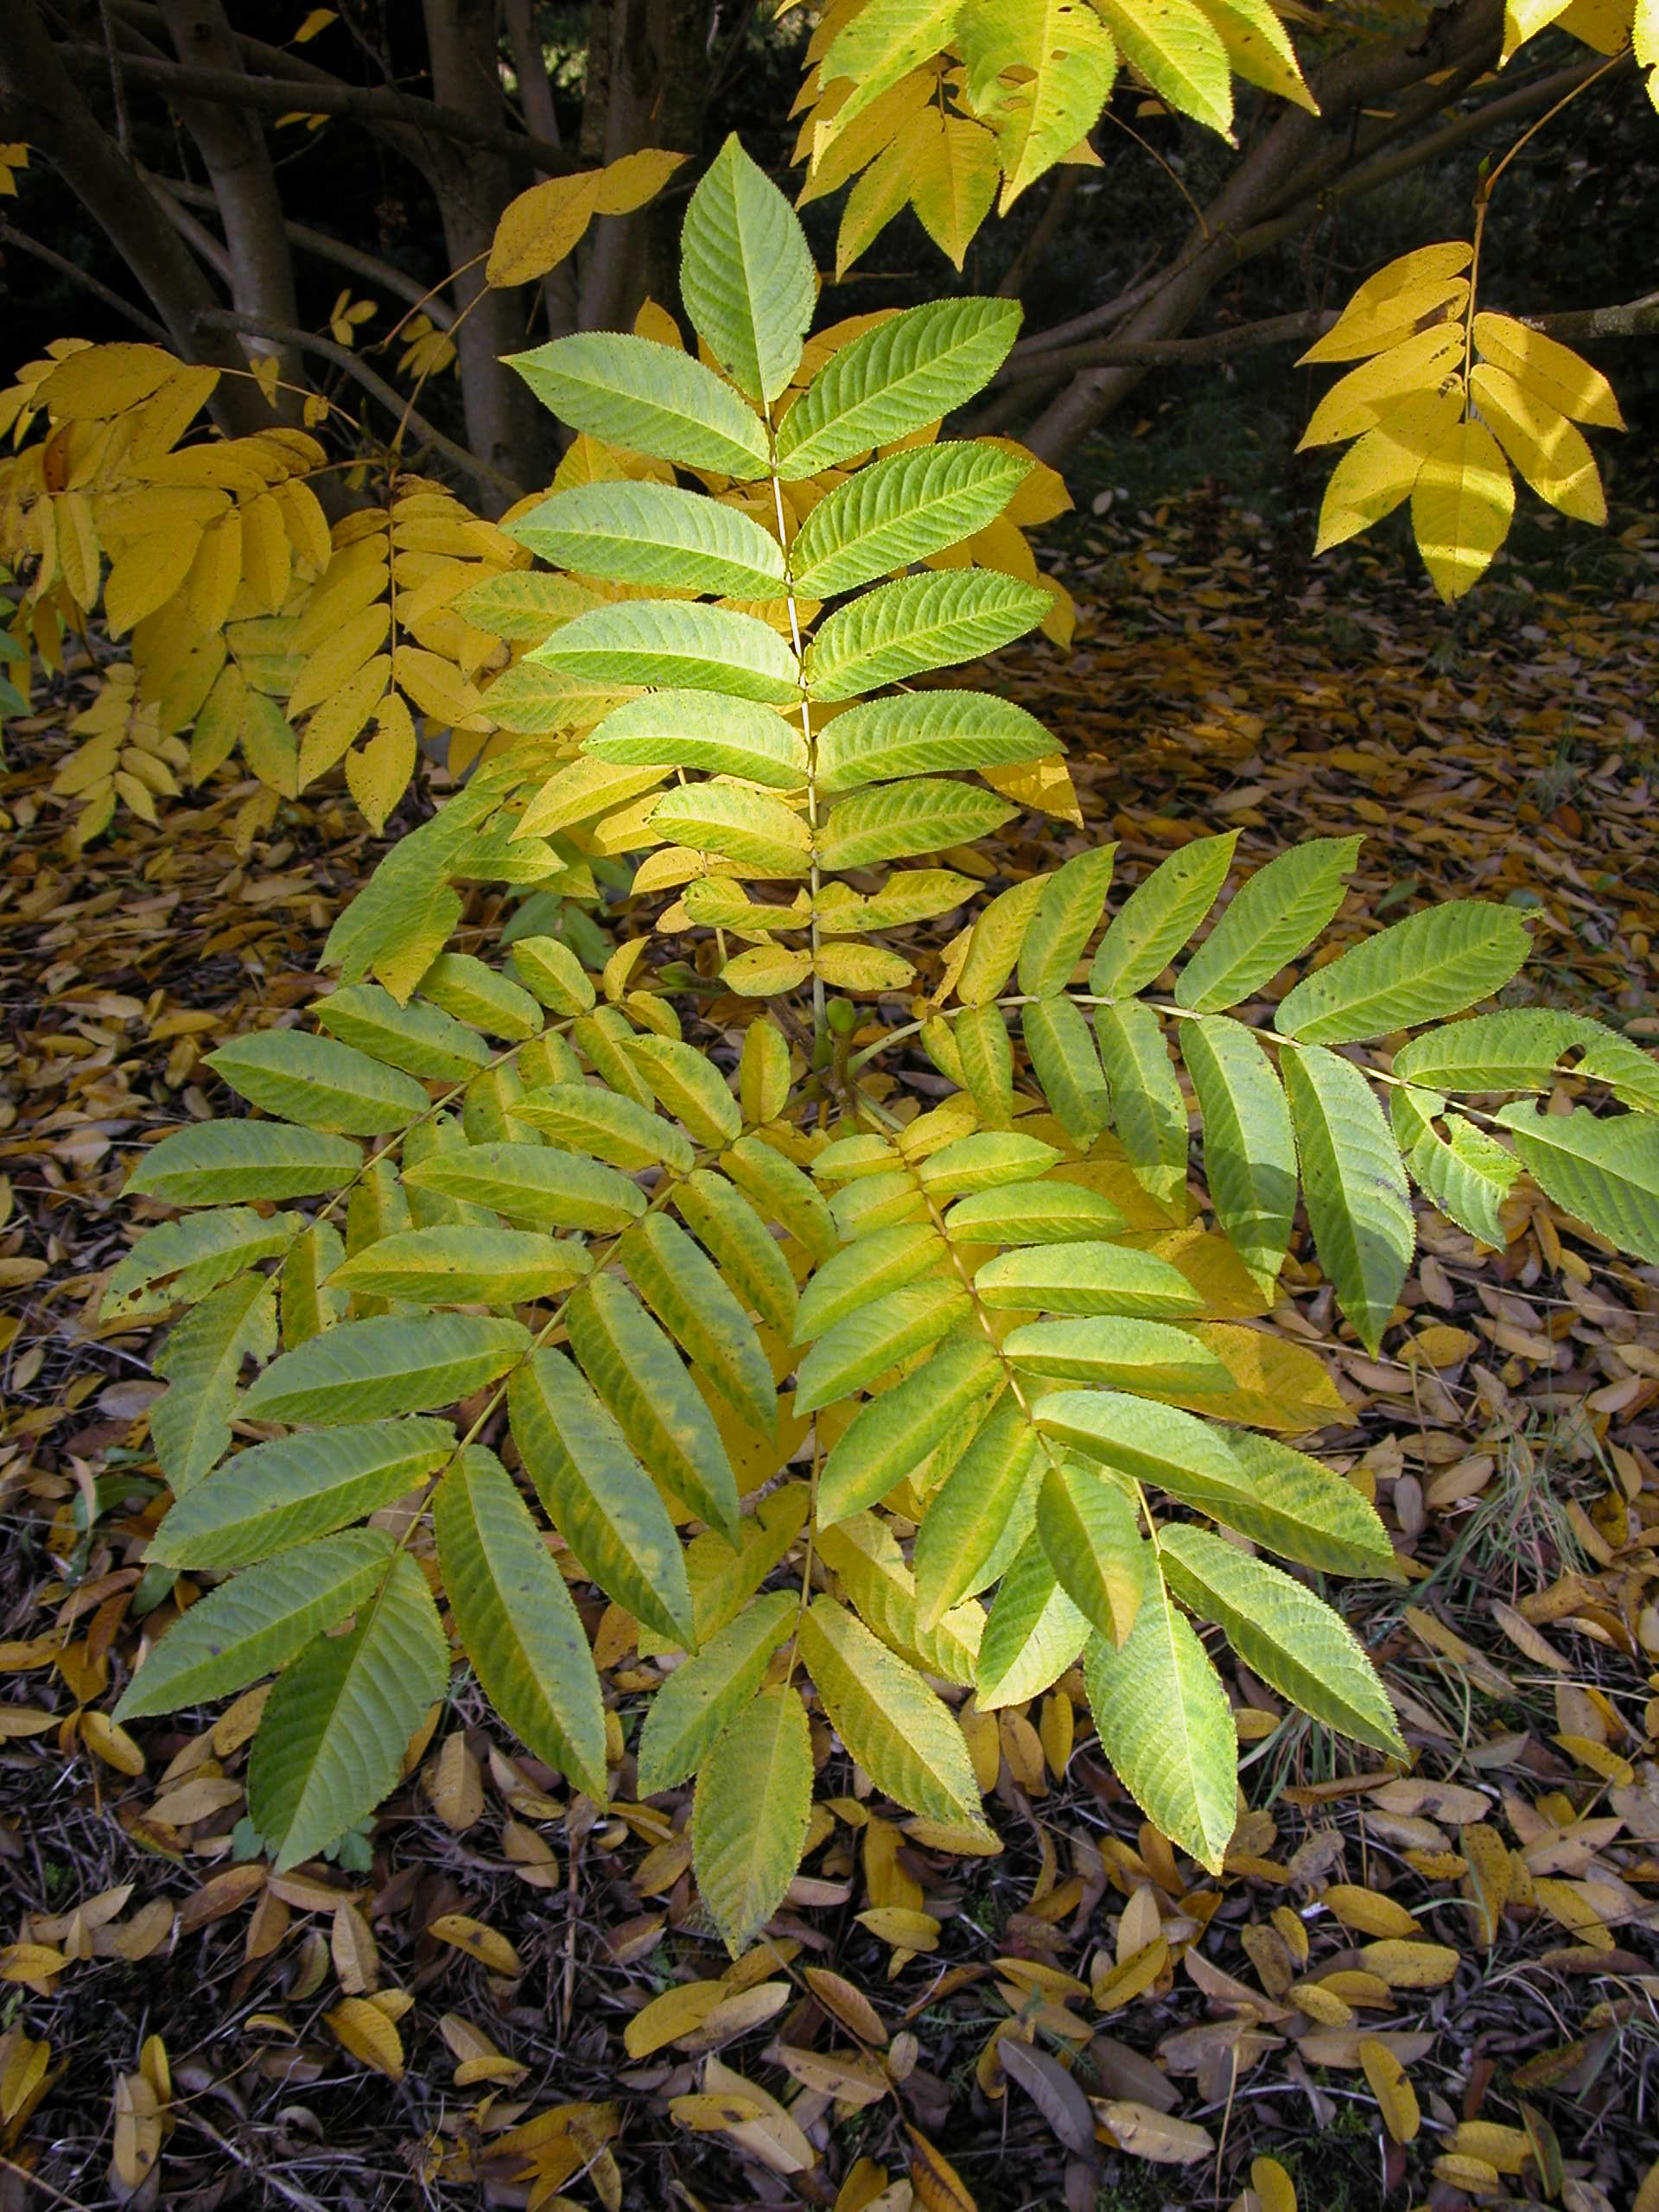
195, 235
155, 332
373, 271
1635, 318
260, 326
118, 82
309, 96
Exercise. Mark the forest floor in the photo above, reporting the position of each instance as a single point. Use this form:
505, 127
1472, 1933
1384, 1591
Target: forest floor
313, 2040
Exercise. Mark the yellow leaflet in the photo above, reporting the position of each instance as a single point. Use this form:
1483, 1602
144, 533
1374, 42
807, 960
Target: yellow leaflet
1524, 19
77, 549
1364, 396
882, 190
1603, 24
630, 181
340, 716
103, 380
267, 557
147, 574
1550, 371
1461, 507
1378, 323
1377, 472
216, 572
1543, 445
864, 137
1180, 54
1044, 784
379, 773
1259, 47
540, 227
1644, 37
954, 181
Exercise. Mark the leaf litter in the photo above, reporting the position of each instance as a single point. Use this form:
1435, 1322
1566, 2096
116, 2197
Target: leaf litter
1442, 1983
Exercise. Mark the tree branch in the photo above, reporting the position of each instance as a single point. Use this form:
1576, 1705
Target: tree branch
259, 326
156, 333
315, 96
373, 271
1635, 319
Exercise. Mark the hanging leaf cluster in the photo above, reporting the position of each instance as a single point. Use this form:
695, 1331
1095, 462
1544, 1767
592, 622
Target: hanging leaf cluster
1445, 402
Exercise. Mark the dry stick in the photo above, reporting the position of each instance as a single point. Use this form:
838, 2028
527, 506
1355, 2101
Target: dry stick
261, 326
155, 332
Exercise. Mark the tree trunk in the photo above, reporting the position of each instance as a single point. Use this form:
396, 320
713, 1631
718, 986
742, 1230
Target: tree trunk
647, 85
1256, 187
503, 425
535, 97
233, 145
39, 102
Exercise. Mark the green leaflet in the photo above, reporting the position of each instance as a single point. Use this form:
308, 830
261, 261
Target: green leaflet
1159, 915
876, 1336
990, 1160
744, 1249
1057, 61
782, 1192
190, 1424
639, 1377
654, 534
473, 991
1299, 1508
863, 1272
1421, 969
223, 1163
1087, 1277
1091, 1533
1034, 1633
552, 972
923, 733
1034, 1213
1141, 1439
985, 1053
895, 821
911, 894
674, 642
1249, 1152
1164, 1722
689, 1084
1466, 1173
395, 1364
890, 1436
903, 1736
1292, 1639
1358, 1202
1148, 1112
1143, 1356
194, 1255
1518, 1049
967, 1515
994, 943
863, 1555
685, 1292
724, 1580
1181, 53
900, 510
275, 1497
905, 373
522, 604
532, 1185
883, 43
722, 736
1606, 1173
699, 1698
1067, 915
1274, 917
331, 1739
1630, 1073
600, 1499
517, 1620
464, 1266
758, 831
319, 1083
310, 1304
1066, 1065
603, 1038
750, 1813
252, 1625
918, 623
633, 391
745, 274
581, 1118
